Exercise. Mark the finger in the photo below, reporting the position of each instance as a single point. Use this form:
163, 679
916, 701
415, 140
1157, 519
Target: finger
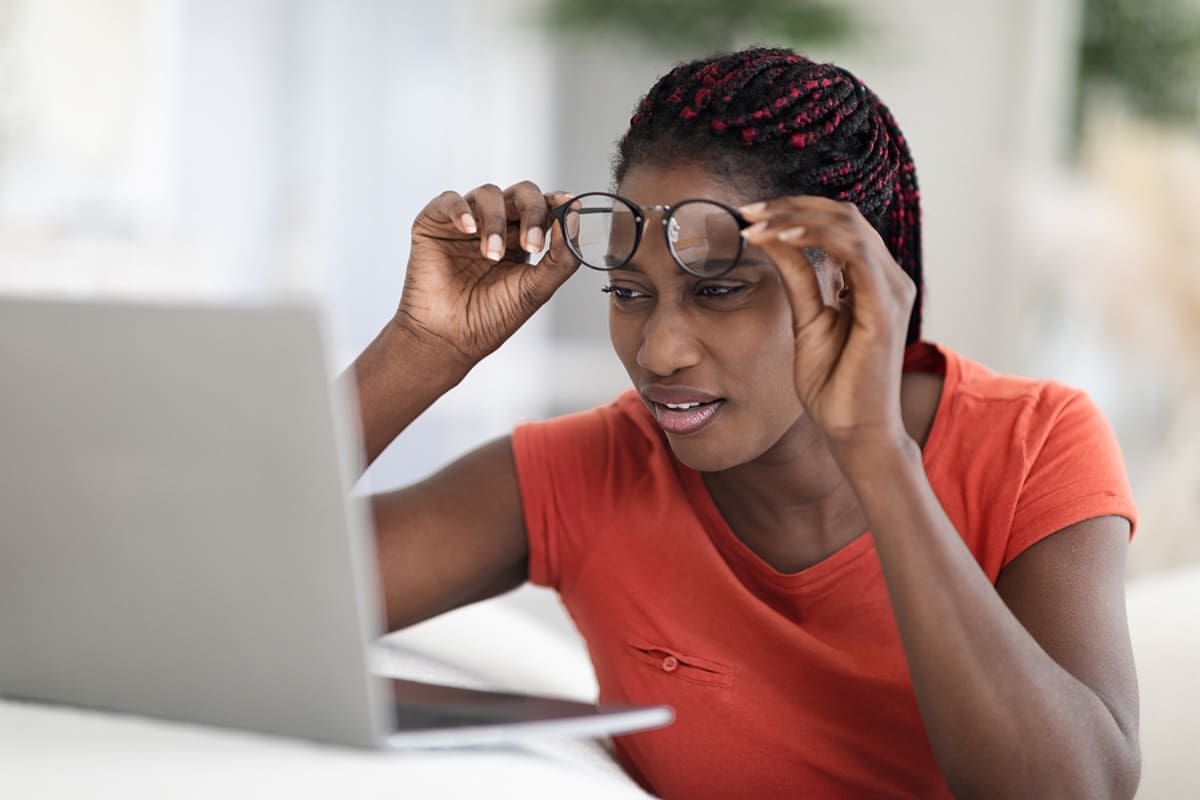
559, 251
799, 279
558, 261
814, 213
527, 203
872, 296
782, 218
768, 208
571, 225
450, 207
487, 204
826, 267
850, 237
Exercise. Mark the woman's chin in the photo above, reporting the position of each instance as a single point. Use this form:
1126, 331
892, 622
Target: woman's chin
717, 450
705, 456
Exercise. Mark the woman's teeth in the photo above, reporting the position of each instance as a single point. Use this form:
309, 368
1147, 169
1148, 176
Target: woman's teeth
687, 418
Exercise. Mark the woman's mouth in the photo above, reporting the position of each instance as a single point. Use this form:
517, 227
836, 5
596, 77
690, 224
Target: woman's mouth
682, 419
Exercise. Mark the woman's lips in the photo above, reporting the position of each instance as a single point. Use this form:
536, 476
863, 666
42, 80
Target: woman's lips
683, 421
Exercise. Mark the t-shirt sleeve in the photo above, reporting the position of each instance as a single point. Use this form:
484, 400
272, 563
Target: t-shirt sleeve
1076, 473
564, 467
531, 454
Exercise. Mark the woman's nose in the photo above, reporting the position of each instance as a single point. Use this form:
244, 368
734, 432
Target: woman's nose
669, 343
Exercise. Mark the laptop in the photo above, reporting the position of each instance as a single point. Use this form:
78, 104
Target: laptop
178, 537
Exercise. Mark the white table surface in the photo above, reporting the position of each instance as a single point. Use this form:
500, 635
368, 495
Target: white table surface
55, 752
61, 752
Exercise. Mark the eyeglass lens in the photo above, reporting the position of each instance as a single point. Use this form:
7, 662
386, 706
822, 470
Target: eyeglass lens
704, 238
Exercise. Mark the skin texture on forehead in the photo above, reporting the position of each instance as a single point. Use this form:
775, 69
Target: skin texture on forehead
738, 347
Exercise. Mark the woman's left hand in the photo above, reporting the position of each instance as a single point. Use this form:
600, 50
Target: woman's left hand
849, 349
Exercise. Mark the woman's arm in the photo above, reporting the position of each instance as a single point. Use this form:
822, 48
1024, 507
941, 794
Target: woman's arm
1026, 689
458, 536
396, 378
452, 539
468, 287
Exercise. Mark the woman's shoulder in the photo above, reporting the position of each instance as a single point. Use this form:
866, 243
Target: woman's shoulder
620, 429
1018, 458
976, 390
1019, 421
578, 471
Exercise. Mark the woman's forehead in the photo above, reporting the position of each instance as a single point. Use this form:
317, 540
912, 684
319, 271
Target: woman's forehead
667, 184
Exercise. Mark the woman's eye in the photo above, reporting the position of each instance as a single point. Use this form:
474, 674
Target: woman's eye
623, 292
718, 290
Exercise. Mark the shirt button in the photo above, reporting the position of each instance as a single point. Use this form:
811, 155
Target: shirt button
670, 664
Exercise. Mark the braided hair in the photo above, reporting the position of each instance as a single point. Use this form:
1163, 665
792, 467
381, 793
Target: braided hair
789, 126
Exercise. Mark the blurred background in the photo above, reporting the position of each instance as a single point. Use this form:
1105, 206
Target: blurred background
223, 148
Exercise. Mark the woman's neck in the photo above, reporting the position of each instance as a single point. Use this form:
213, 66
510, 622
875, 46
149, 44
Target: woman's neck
792, 505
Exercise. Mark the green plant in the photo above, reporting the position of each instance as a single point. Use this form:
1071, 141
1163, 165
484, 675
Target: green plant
1148, 51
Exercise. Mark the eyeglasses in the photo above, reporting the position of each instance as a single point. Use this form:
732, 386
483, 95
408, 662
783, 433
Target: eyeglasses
603, 231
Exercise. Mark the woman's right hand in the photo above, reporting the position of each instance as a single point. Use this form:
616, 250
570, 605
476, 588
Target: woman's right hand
470, 284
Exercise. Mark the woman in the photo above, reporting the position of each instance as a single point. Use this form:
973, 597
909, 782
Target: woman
824, 541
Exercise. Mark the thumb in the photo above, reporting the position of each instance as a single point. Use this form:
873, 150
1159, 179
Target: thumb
799, 280
558, 263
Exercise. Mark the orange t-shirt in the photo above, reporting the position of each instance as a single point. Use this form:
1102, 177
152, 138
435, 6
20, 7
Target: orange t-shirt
786, 685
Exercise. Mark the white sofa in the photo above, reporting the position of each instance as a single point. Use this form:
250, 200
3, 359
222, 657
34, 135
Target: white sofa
1164, 621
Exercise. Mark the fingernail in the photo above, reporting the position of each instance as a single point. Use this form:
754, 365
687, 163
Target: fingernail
791, 234
534, 239
753, 208
754, 229
467, 222
495, 247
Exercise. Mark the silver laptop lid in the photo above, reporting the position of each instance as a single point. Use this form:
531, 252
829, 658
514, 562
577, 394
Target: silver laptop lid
145, 449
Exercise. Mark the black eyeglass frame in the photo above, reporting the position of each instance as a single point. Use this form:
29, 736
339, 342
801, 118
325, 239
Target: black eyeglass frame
560, 212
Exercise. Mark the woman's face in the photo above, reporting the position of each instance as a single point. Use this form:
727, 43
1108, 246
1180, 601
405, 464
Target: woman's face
723, 343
